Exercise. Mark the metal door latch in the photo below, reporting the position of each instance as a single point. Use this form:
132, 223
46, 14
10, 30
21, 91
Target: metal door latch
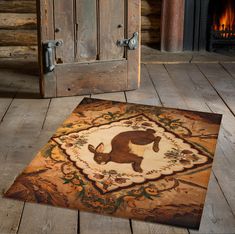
131, 43
48, 54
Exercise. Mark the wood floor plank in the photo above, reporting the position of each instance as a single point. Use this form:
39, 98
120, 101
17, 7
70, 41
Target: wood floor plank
21, 120
181, 86
226, 147
99, 224
118, 96
10, 210
19, 116
6, 97
222, 82
216, 217
17, 133
60, 109
180, 76
46, 219
4, 105
10, 84
21, 125
147, 94
230, 68
140, 227
50, 219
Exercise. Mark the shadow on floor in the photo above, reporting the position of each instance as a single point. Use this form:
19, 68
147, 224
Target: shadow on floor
19, 79
28, 67
19, 95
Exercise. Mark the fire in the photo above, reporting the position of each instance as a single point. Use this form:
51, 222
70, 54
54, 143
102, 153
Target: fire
227, 18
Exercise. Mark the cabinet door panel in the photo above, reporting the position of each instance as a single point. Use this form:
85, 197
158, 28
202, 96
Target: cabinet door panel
96, 77
64, 29
86, 30
112, 27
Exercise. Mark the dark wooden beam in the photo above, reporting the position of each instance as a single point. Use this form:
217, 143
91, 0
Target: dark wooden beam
172, 25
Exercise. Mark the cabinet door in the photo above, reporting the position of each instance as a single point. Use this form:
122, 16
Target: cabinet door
89, 60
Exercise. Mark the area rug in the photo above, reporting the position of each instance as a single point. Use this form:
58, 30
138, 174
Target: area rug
126, 160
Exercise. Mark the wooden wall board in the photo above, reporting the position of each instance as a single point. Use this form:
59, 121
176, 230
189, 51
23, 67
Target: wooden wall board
18, 28
151, 21
16, 52
18, 38
18, 6
15, 21
21, 14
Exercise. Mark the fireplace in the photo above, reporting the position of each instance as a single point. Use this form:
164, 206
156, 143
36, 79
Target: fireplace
209, 25
221, 24
190, 25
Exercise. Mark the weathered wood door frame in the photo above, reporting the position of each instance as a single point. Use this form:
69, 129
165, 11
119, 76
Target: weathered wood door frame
46, 31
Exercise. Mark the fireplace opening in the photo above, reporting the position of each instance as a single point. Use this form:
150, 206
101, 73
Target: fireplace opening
209, 25
221, 22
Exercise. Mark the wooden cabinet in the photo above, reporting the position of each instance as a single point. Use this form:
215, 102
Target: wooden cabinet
89, 59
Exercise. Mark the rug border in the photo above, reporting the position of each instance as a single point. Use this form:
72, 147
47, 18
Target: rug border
85, 100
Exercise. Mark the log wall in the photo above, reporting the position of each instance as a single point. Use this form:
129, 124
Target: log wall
18, 34
151, 21
18, 28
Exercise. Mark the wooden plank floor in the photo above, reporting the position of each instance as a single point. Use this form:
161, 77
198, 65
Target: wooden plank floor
27, 122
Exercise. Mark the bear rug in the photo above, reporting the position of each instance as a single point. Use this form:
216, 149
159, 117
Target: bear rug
125, 160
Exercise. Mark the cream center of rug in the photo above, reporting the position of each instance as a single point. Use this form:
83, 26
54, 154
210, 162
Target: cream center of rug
128, 152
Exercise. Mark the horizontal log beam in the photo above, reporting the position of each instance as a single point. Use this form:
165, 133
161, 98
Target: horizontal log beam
18, 37
20, 6
18, 51
18, 21
149, 7
151, 22
20, 14
150, 37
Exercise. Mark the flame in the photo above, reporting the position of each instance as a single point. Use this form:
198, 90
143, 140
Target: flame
227, 19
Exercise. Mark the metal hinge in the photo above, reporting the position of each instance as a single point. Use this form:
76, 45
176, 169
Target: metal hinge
131, 43
48, 54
